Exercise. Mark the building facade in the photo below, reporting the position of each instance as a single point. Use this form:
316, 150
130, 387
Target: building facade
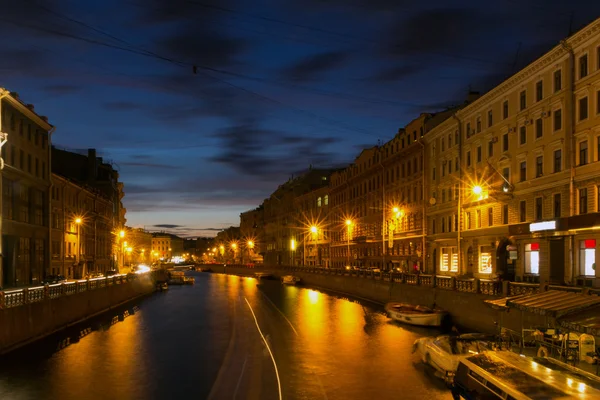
81, 230
284, 225
514, 177
251, 230
138, 249
25, 188
165, 246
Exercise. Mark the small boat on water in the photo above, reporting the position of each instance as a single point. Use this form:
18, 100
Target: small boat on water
290, 279
162, 287
263, 275
189, 280
415, 315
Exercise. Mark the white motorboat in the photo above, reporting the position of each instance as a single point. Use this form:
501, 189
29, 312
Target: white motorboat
290, 279
445, 352
415, 315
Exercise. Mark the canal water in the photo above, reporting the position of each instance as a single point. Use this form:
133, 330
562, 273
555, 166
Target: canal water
207, 341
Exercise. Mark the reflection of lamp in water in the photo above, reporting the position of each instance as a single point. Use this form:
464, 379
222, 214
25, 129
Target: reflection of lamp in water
313, 296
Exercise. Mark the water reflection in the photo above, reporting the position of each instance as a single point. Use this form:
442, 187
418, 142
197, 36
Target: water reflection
177, 344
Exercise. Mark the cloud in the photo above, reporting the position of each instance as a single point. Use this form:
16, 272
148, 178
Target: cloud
149, 165
315, 65
195, 44
252, 150
442, 29
121, 106
58, 90
167, 226
396, 73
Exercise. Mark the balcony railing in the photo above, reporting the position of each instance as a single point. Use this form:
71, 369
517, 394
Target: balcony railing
19, 297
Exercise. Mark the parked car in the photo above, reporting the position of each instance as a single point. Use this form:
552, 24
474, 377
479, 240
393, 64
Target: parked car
53, 279
112, 272
445, 352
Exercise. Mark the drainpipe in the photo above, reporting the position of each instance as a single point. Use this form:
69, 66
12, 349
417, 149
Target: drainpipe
460, 189
49, 172
383, 208
570, 135
424, 205
3, 93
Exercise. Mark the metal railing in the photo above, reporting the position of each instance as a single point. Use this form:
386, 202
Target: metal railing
466, 285
19, 297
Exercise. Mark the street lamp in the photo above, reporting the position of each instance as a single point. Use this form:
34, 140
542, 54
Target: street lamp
129, 250
293, 249
250, 246
78, 222
348, 226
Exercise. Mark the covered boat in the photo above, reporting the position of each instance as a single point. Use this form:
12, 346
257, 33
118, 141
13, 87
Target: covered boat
415, 315
290, 279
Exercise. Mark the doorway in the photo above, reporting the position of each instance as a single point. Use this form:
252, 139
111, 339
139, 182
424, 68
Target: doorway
557, 261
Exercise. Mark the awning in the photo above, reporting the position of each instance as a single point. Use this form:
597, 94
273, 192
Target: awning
586, 321
500, 304
553, 303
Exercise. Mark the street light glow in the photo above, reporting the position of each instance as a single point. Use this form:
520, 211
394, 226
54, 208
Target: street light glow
314, 229
78, 220
348, 222
234, 246
250, 244
396, 210
293, 244
122, 233
477, 189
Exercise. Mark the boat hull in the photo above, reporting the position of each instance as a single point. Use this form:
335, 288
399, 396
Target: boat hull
434, 319
290, 280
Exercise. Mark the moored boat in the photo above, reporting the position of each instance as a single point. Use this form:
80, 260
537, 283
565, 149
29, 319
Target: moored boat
415, 315
162, 287
290, 279
263, 275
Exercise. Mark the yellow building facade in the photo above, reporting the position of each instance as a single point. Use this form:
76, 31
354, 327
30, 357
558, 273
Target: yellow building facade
514, 175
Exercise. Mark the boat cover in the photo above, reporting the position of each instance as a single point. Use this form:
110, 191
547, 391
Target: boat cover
553, 303
585, 321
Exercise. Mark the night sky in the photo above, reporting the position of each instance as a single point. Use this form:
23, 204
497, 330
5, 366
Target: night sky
277, 85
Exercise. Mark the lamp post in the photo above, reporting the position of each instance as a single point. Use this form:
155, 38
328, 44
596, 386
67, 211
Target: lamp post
250, 246
78, 222
348, 227
123, 243
234, 248
293, 249
315, 231
129, 250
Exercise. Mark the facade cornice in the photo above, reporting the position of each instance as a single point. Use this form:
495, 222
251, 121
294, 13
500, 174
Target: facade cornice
546, 60
16, 103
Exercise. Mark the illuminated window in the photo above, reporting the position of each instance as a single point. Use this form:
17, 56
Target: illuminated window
449, 259
587, 257
485, 261
326, 200
319, 202
532, 258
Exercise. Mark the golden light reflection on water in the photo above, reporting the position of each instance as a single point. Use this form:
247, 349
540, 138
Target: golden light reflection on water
312, 315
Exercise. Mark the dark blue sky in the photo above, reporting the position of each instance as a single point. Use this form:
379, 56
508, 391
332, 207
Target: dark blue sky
279, 85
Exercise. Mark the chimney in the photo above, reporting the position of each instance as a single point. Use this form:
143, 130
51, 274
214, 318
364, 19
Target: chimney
92, 168
30, 106
472, 96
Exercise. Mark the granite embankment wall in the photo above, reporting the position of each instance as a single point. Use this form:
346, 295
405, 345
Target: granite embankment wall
32, 319
468, 310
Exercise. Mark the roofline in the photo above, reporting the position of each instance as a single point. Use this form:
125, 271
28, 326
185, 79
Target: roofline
18, 104
548, 59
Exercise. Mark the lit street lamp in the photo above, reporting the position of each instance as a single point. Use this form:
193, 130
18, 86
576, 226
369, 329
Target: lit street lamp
349, 227
78, 222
